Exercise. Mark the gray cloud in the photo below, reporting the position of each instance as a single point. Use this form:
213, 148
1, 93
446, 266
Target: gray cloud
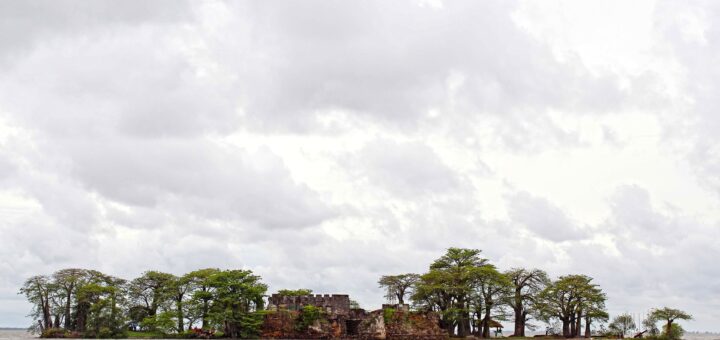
324, 144
543, 218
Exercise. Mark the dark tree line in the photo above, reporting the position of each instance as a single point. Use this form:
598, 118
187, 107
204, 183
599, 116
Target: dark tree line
90, 303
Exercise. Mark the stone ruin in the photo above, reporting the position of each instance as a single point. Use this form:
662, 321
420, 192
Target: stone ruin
335, 304
339, 321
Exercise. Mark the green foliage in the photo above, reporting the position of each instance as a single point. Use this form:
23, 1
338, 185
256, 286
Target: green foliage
388, 314
94, 304
397, 286
55, 333
569, 296
354, 304
236, 293
251, 324
308, 315
676, 333
162, 323
669, 316
294, 292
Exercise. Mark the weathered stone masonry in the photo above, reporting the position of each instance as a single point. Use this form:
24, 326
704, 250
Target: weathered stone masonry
335, 304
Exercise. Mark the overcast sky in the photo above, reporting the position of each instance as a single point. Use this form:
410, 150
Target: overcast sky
323, 144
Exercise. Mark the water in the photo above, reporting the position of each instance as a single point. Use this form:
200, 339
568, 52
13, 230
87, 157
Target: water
22, 334
14, 334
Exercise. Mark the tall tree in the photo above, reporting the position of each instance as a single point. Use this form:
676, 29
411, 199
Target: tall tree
567, 300
527, 284
595, 311
37, 290
202, 293
398, 286
456, 267
151, 291
237, 294
493, 288
669, 315
67, 282
178, 289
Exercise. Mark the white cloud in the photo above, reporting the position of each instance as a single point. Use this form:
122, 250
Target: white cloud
323, 145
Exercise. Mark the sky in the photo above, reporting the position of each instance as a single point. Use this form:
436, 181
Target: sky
322, 144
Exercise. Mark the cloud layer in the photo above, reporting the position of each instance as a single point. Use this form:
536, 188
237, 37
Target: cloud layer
324, 144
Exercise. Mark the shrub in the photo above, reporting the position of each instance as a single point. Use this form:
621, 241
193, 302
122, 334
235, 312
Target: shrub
55, 333
676, 332
388, 314
308, 316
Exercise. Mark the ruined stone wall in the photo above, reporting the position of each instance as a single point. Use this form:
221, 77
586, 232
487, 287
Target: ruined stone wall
338, 304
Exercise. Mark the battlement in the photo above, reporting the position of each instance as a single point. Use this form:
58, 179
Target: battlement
338, 304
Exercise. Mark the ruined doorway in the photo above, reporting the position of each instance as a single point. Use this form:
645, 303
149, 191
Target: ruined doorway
352, 326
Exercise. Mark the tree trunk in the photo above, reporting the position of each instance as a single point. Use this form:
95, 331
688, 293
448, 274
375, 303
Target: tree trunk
47, 318
67, 306
668, 330
205, 314
486, 322
463, 324
180, 316
578, 325
566, 328
519, 326
572, 326
587, 327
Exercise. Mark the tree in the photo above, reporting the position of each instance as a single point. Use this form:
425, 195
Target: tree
398, 286
447, 286
595, 312
527, 284
669, 315
67, 282
99, 300
202, 293
236, 296
650, 325
178, 289
568, 299
621, 324
492, 288
37, 290
151, 291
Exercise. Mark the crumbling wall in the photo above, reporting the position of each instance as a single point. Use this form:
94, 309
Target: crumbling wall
405, 325
382, 324
338, 304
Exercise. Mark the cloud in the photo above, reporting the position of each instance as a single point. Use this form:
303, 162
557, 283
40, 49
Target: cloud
323, 145
406, 169
543, 218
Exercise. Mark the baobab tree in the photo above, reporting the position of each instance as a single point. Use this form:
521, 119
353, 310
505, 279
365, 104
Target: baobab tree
398, 286
669, 315
526, 285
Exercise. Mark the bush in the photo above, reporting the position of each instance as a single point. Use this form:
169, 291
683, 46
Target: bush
162, 322
676, 332
55, 333
251, 324
388, 314
308, 316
